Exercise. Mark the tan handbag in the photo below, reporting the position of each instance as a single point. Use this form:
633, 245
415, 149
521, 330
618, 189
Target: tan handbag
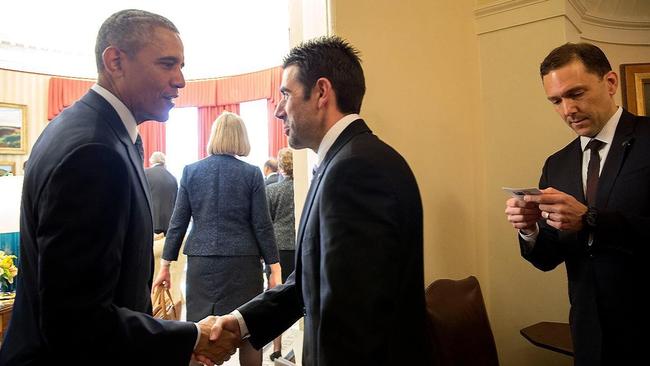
163, 304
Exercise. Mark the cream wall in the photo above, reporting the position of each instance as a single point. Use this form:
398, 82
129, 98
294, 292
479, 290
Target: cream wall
421, 64
31, 90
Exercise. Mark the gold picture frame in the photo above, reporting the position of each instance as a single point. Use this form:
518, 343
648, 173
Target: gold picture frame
635, 84
7, 168
13, 128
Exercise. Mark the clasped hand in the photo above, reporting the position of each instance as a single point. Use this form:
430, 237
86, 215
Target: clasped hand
220, 337
560, 210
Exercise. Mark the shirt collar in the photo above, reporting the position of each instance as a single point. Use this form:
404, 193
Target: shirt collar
125, 114
607, 133
333, 133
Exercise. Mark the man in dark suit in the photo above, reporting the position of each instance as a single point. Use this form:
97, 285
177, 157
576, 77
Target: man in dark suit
271, 172
359, 276
83, 293
594, 210
163, 188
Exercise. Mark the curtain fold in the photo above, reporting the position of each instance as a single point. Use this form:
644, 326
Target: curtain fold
277, 138
153, 138
207, 115
63, 92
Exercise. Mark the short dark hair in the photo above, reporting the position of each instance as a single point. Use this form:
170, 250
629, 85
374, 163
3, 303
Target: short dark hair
336, 60
129, 30
271, 164
592, 57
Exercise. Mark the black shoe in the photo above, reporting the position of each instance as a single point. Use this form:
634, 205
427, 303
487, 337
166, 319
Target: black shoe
274, 355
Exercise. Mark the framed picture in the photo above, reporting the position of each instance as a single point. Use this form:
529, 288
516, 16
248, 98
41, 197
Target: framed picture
7, 168
635, 83
13, 128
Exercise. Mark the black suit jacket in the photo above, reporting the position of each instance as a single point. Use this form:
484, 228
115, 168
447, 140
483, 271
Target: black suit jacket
359, 267
86, 254
163, 188
607, 280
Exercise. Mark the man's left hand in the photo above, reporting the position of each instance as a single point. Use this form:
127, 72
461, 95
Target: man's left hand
561, 211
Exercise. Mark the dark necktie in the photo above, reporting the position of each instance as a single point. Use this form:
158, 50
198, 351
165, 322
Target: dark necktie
593, 170
138, 145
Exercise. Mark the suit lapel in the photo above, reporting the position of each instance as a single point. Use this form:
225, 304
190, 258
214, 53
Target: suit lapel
355, 128
113, 119
621, 144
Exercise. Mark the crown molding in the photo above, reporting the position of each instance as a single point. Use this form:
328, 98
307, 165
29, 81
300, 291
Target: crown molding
513, 13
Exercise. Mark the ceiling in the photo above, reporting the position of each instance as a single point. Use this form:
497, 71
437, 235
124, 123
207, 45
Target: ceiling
220, 37
633, 11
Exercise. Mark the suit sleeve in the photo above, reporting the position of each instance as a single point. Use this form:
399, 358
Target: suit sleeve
272, 312
179, 222
83, 216
359, 241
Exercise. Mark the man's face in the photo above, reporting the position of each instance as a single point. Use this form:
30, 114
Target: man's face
153, 76
300, 117
584, 100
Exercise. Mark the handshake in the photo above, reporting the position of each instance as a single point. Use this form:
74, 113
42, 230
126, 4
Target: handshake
219, 338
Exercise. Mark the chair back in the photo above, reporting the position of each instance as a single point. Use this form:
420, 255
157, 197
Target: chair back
460, 329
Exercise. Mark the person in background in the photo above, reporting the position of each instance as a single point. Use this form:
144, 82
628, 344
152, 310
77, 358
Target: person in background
594, 211
231, 229
271, 171
359, 276
86, 235
281, 207
163, 188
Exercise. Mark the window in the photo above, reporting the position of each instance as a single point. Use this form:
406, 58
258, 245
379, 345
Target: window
182, 139
255, 117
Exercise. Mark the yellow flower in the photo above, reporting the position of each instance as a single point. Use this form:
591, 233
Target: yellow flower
7, 268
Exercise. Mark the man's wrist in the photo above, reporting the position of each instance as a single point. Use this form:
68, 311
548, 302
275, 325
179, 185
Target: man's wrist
165, 263
590, 219
243, 329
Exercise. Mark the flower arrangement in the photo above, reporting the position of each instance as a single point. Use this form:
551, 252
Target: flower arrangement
8, 269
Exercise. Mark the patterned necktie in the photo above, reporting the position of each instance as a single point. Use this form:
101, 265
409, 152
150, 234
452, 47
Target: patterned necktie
138, 145
593, 171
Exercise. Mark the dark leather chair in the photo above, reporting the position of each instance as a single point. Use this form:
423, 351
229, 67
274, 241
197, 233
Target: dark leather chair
459, 325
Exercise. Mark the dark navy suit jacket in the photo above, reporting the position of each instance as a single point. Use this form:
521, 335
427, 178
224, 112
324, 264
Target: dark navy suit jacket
359, 269
86, 256
607, 280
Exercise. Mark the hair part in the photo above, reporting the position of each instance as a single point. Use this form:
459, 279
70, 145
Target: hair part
129, 30
336, 60
285, 161
592, 57
229, 136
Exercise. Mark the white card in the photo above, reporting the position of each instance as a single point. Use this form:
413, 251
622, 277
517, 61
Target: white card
521, 192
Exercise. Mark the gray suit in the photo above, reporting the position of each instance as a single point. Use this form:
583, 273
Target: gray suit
280, 200
272, 178
163, 188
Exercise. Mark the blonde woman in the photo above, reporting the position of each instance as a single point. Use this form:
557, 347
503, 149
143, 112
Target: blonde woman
225, 197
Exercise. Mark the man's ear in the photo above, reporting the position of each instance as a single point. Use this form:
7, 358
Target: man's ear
324, 91
612, 82
112, 58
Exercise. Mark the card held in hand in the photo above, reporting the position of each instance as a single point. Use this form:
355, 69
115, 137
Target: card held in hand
521, 192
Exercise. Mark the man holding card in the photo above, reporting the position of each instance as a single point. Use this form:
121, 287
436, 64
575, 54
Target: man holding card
593, 212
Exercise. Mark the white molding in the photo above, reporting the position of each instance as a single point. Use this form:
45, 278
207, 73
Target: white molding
503, 6
513, 13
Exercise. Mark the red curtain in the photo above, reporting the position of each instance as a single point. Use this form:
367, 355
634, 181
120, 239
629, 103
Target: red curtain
211, 97
153, 138
63, 93
277, 138
207, 115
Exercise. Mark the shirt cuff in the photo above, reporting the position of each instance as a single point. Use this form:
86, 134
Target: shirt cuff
198, 335
531, 238
165, 262
243, 329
